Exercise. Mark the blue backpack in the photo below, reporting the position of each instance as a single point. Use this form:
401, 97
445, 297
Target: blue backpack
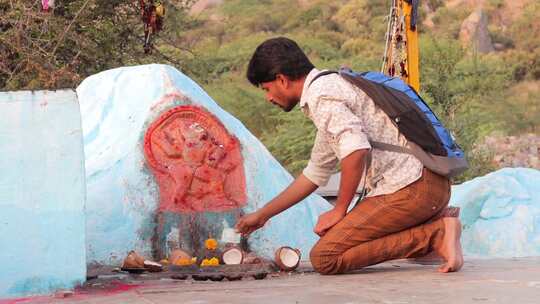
429, 140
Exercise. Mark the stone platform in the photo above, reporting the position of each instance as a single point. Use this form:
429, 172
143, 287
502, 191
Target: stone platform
480, 281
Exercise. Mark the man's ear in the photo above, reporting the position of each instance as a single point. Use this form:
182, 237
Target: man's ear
283, 80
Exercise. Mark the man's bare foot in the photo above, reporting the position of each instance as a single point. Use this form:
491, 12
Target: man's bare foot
451, 247
433, 258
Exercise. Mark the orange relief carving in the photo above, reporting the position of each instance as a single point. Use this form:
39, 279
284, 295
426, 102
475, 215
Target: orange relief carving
197, 163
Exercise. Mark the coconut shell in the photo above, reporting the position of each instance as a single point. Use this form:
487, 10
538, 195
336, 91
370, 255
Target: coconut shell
281, 264
133, 260
242, 255
139, 258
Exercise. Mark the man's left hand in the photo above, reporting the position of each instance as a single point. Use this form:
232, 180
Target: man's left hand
327, 220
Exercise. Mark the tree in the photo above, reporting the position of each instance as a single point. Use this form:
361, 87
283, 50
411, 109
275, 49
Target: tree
58, 48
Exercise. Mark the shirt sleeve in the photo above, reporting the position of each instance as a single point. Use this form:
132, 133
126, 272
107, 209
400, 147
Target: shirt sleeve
342, 129
322, 163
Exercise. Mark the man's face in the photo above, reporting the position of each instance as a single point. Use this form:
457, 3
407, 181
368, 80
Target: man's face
279, 92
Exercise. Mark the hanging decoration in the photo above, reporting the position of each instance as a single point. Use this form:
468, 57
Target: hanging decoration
401, 47
152, 12
395, 52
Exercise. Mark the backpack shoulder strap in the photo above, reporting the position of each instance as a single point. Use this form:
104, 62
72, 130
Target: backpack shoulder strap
323, 73
389, 147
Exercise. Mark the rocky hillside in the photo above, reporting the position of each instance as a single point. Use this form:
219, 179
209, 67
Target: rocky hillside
513, 151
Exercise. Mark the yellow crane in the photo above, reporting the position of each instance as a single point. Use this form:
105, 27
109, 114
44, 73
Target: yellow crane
401, 56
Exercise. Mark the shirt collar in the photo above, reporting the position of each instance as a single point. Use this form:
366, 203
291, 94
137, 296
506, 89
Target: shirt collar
309, 78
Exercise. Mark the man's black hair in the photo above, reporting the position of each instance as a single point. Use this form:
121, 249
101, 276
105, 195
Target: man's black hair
277, 56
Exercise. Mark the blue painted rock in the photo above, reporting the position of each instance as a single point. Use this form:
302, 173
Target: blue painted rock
196, 184
500, 213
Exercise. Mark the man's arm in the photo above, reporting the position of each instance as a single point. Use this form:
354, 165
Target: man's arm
345, 133
320, 167
352, 167
297, 191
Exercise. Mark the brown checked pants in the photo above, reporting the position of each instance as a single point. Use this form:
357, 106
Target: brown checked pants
387, 227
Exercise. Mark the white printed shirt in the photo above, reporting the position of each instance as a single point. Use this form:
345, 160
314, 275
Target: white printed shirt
347, 120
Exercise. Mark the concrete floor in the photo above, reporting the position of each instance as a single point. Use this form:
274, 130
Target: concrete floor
514, 281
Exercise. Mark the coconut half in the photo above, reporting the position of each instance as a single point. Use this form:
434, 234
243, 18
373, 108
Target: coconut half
287, 258
232, 256
133, 260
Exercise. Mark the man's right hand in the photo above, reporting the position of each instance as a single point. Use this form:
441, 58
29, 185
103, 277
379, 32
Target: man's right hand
297, 191
250, 222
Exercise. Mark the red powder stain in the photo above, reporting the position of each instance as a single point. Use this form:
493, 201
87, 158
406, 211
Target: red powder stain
198, 165
81, 293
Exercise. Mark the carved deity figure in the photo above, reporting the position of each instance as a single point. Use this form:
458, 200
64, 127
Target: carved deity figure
200, 174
